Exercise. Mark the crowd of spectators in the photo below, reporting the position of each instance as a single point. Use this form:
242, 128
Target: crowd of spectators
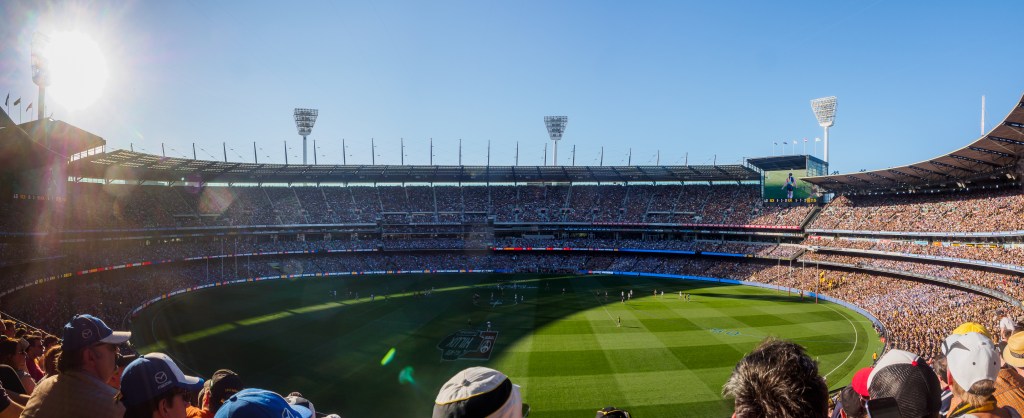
1004, 282
991, 253
91, 206
968, 211
902, 305
916, 315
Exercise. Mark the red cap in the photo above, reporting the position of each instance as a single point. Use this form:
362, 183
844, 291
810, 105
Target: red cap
860, 381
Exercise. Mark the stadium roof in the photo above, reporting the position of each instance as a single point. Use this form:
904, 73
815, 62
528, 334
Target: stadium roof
783, 162
992, 155
23, 147
127, 165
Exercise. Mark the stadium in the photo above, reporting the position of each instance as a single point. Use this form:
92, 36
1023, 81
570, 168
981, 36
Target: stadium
362, 289
534, 267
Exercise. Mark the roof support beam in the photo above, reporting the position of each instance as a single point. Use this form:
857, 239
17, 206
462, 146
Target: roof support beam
989, 151
905, 174
1005, 140
925, 170
953, 167
968, 159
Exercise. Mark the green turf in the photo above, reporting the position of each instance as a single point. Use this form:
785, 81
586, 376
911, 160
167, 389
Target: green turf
669, 357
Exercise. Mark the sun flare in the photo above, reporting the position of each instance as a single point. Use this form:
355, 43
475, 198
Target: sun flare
78, 70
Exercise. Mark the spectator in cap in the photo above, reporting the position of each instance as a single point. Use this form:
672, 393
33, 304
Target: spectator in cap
973, 365
479, 392
85, 365
218, 389
906, 378
777, 379
154, 387
849, 404
259, 403
1009, 382
1007, 326
296, 398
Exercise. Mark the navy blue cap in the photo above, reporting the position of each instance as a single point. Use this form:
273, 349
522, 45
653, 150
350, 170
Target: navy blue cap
85, 330
259, 403
151, 376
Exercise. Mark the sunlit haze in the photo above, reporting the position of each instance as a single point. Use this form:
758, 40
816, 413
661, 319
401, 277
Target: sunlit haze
668, 82
78, 69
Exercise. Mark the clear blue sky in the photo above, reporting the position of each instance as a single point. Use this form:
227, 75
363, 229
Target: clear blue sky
725, 78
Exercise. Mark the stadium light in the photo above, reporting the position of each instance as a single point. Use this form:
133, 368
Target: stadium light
825, 111
304, 120
556, 127
40, 69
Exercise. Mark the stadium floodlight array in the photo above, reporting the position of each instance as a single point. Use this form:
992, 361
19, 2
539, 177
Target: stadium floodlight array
40, 69
556, 127
304, 120
825, 111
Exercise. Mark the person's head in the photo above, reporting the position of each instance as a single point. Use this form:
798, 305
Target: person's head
121, 362
296, 398
153, 386
12, 352
1013, 353
853, 403
50, 360
479, 392
939, 366
973, 365
90, 346
778, 378
909, 381
220, 387
10, 327
50, 341
259, 403
35, 346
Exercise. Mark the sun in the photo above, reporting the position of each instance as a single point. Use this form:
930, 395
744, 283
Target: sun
78, 71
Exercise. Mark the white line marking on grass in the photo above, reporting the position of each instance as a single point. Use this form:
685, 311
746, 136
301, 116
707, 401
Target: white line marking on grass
605, 308
856, 339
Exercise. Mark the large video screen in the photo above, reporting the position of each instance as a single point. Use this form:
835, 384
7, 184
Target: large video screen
778, 186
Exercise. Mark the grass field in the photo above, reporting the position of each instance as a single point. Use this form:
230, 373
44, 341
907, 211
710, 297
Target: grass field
669, 358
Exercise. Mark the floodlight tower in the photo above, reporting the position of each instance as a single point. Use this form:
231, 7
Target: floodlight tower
556, 126
304, 120
40, 69
825, 111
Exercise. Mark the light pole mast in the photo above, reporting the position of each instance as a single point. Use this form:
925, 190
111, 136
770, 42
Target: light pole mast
40, 71
304, 120
556, 127
825, 111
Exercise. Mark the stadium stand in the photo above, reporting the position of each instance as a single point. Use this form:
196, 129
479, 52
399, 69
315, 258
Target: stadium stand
923, 248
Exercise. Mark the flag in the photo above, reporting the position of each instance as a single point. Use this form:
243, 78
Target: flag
29, 106
7, 99
817, 139
16, 102
783, 142
805, 139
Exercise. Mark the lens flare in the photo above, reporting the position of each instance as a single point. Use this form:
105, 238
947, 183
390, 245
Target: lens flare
405, 376
78, 70
388, 357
